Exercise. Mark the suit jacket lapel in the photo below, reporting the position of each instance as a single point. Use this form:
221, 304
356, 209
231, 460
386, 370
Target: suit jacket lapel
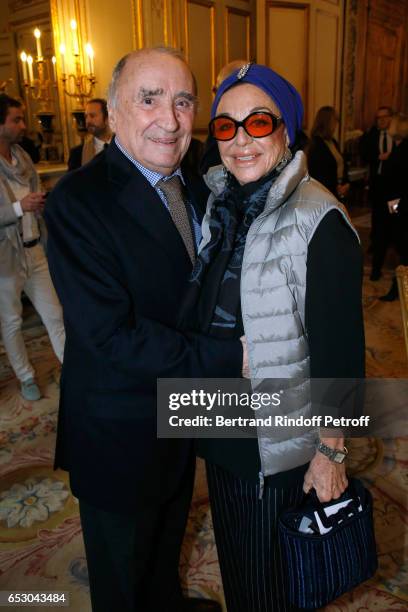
134, 193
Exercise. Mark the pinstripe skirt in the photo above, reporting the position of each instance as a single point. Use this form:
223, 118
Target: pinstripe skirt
246, 535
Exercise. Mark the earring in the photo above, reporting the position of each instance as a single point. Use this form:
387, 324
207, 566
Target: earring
287, 156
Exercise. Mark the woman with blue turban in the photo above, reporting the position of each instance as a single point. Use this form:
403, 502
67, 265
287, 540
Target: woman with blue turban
279, 266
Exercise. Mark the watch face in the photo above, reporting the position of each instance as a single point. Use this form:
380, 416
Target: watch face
339, 457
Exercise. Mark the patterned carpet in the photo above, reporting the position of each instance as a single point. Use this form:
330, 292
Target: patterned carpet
40, 536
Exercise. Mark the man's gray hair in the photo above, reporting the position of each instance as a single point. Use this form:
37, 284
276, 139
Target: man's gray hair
118, 69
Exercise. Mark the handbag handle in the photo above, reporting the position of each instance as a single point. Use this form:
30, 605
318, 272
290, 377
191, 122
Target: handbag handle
356, 493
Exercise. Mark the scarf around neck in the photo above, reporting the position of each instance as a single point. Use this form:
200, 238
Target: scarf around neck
212, 305
22, 172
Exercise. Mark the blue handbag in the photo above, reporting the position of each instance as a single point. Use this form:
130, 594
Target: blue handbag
323, 566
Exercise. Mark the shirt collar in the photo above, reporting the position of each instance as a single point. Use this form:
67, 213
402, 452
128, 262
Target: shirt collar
100, 142
150, 175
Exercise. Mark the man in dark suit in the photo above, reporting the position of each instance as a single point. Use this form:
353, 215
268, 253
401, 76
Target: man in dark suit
375, 148
121, 248
98, 137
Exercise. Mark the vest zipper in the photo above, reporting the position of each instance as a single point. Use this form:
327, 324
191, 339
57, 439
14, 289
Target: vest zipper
261, 485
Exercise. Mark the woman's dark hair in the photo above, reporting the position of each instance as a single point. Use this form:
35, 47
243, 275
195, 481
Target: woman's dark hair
7, 102
322, 125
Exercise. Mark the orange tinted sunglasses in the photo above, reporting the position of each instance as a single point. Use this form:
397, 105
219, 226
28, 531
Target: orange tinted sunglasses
258, 125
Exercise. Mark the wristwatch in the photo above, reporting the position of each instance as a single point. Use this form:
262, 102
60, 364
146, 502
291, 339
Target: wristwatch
334, 454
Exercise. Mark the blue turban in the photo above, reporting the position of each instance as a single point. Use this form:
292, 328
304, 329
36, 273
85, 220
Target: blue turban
284, 95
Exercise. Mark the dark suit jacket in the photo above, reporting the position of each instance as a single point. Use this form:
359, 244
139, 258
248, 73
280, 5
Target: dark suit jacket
322, 164
120, 269
369, 150
75, 157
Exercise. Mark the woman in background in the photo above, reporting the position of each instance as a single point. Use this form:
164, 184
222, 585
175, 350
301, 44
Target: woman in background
326, 163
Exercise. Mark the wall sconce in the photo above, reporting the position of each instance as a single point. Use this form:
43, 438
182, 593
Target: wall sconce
40, 82
78, 83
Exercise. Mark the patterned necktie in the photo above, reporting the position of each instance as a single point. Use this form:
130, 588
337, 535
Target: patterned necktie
384, 145
173, 190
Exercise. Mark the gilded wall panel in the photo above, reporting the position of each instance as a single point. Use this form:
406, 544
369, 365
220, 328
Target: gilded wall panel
112, 34
303, 41
326, 70
200, 53
237, 35
287, 49
157, 16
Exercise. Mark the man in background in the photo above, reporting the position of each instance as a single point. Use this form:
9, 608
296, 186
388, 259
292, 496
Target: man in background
98, 137
23, 265
375, 147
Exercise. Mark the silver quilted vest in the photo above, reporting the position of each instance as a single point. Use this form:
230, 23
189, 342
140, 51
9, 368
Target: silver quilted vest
273, 291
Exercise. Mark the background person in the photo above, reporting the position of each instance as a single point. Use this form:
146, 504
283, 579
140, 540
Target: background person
280, 262
325, 160
99, 134
23, 264
375, 148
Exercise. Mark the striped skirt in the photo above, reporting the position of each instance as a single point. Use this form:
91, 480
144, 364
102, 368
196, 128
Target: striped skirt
245, 529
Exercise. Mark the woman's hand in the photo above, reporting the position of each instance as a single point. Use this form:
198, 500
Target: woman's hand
327, 477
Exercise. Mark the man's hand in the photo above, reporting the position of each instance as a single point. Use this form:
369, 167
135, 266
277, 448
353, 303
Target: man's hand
33, 202
384, 156
245, 363
327, 477
393, 206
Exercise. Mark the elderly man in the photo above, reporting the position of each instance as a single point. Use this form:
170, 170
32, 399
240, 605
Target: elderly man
123, 237
99, 134
375, 147
23, 265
